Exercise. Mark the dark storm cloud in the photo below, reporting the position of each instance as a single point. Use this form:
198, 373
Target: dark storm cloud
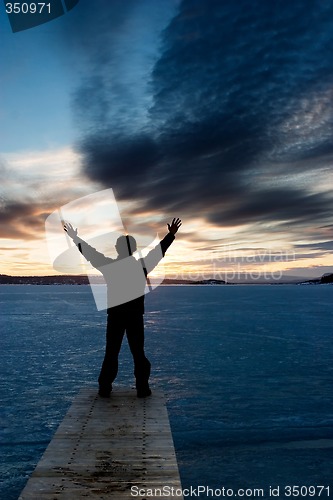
132, 157
278, 205
324, 246
238, 87
21, 220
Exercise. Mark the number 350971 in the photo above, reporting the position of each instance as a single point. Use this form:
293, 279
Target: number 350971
27, 8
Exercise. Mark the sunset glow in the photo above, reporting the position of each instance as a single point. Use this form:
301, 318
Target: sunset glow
229, 129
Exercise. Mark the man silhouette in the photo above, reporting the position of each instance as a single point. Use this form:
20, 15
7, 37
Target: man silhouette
126, 279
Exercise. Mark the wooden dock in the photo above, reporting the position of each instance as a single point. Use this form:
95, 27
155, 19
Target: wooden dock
108, 449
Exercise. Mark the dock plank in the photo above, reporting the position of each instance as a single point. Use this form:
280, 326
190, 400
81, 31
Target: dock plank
106, 446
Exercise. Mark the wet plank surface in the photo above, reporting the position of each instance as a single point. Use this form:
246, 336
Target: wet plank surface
108, 448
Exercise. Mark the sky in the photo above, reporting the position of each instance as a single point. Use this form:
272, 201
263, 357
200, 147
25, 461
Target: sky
220, 113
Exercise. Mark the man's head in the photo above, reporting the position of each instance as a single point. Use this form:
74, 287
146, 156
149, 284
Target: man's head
125, 246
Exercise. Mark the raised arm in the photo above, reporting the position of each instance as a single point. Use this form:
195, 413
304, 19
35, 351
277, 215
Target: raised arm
174, 226
157, 253
97, 259
72, 233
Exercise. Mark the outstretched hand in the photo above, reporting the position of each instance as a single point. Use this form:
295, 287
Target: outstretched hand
175, 225
72, 233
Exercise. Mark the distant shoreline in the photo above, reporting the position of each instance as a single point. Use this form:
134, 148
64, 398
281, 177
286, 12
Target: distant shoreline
84, 280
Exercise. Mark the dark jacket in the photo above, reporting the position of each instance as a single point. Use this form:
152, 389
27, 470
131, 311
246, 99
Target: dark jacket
126, 279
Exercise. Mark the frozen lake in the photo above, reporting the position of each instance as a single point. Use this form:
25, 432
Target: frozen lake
247, 371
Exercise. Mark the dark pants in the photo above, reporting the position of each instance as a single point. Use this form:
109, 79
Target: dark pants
117, 324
